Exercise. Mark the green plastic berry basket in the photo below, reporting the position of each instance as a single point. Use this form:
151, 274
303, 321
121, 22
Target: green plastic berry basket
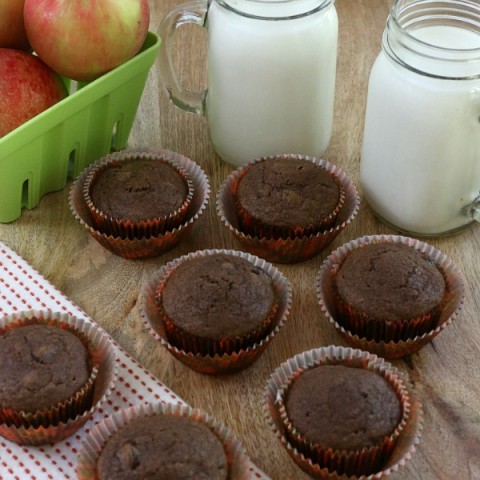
42, 154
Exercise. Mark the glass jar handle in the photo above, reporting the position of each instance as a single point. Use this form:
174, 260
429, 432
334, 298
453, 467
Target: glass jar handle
473, 209
194, 12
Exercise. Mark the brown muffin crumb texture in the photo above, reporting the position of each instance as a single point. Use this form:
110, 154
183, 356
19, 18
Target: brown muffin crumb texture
139, 189
343, 408
40, 366
163, 447
390, 282
288, 192
218, 296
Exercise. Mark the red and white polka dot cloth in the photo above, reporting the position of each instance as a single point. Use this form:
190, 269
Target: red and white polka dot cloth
23, 288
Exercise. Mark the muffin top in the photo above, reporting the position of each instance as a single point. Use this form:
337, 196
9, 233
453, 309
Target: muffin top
288, 193
344, 408
40, 366
390, 282
163, 447
139, 189
218, 296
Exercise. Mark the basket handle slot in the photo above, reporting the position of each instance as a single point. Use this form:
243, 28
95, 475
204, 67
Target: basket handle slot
25, 189
115, 136
72, 161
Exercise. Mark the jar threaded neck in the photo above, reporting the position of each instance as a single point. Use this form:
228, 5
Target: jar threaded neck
435, 38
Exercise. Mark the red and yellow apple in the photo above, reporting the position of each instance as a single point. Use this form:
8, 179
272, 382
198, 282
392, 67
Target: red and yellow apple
12, 30
83, 39
27, 87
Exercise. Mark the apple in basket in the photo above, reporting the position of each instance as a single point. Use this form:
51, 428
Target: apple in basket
12, 30
27, 87
83, 39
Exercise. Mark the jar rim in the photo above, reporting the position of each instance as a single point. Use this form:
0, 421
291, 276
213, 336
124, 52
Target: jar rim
285, 9
402, 18
423, 56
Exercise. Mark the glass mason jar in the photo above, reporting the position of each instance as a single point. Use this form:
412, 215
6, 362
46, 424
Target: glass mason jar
420, 159
271, 74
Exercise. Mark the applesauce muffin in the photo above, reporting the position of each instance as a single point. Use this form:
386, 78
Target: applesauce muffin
137, 195
216, 310
294, 204
55, 369
162, 441
341, 408
138, 190
157, 223
343, 412
41, 366
389, 291
163, 447
287, 197
227, 303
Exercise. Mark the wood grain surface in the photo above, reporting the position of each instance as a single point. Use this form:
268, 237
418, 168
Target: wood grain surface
445, 373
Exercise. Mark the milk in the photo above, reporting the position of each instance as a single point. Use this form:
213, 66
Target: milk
420, 160
270, 82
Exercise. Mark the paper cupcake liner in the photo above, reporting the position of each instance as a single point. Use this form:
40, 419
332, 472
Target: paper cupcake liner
389, 331
399, 339
152, 245
127, 228
216, 363
50, 425
86, 469
331, 464
226, 345
254, 227
357, 462
184, 341
291, 249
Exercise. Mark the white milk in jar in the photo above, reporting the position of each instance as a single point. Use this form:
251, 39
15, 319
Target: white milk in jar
271, 82
420, 161
271, 75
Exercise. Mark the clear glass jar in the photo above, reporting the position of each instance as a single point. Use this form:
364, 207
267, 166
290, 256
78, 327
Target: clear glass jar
271, 74
420, 159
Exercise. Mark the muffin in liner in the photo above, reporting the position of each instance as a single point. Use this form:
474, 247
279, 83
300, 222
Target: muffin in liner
227, 357
248, 328
50, 425
255, 226
295, 248
228, 346
128, 228
151, 244
86, 469
400, 338
397, 449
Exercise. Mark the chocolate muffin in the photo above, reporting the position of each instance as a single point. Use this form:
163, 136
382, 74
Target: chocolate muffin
342, 412
163, 447
217, 303
342, 408
216, 310
286, 197
139, 189
281, 236
41, 366
388, 292
140, 203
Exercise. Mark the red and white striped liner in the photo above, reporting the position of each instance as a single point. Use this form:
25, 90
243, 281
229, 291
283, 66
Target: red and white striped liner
23, 288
